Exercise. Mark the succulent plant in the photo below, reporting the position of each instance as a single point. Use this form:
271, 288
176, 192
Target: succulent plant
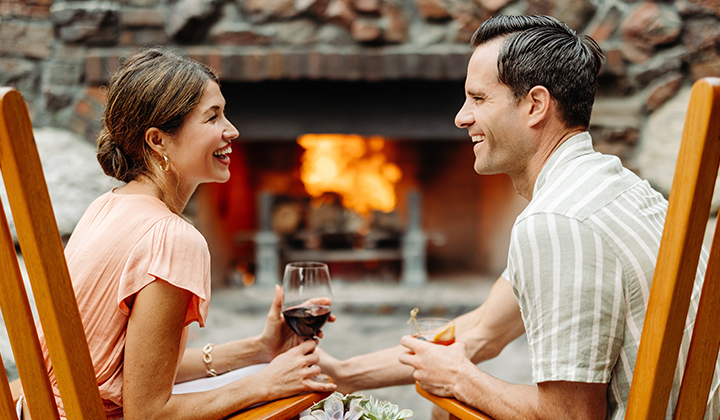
384, 410
355, 407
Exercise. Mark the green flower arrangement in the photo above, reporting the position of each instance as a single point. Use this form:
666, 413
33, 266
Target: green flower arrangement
355, 407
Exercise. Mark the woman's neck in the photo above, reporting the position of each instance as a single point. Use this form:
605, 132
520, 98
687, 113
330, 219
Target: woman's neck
145, 186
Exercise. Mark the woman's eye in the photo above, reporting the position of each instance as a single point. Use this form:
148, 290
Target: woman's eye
213, 118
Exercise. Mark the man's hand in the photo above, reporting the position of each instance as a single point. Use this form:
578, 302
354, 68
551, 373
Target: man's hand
437, 367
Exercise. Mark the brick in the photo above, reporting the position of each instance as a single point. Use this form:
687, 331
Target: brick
365, 30
339, 12
493, 5
660, 90
233, 68
705, 64
614, 62
396, 24
650, 24
392, 66
254, 68
433, 9
315, 67
239, 33
141, 17
700, 34
698, 7
26, 38
295, 65
354, 65
275, 65
215, 61
263, 10
94, 73
367, 6
431, 66
413, 63
374, 65
335, 66
24, 10
456, 65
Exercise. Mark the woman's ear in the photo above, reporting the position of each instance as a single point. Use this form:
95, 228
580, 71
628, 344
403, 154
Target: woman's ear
156, 139
540, 102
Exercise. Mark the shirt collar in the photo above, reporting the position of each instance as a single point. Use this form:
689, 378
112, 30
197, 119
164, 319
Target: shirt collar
577, 145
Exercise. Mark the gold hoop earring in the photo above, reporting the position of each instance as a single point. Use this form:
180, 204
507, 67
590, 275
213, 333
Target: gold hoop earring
167, 164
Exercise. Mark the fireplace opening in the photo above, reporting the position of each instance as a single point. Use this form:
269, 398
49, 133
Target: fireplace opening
433, 217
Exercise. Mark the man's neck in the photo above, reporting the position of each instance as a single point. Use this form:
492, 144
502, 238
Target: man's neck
524, 183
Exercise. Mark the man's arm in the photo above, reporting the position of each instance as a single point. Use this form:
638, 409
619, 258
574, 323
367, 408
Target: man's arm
446, 371
487, 330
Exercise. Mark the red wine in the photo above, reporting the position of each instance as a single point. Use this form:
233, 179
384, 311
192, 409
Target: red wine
306, 321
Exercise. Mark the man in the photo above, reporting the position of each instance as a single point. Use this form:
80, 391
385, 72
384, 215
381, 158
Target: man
582, 253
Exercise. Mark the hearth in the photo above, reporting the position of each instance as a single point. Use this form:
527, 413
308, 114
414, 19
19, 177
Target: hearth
443, 218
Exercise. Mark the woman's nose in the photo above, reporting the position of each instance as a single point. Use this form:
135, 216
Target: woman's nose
231, 132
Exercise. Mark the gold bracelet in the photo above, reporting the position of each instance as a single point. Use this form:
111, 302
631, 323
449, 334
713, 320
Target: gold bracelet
207, 358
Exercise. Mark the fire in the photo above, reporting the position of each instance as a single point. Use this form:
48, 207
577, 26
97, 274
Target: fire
351, 166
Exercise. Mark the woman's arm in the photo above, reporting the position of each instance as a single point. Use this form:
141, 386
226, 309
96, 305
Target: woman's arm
275, 339
151, 352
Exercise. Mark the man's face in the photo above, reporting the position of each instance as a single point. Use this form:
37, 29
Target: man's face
492, 116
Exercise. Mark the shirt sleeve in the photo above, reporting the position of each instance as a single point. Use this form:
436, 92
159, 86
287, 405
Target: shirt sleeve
173, 251
568, 283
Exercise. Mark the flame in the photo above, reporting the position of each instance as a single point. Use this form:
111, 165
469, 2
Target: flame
351, 166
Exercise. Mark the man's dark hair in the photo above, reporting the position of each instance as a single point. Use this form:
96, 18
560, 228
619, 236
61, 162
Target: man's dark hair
542, 51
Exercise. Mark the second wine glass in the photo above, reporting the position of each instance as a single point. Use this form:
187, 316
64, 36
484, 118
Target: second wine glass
307, 297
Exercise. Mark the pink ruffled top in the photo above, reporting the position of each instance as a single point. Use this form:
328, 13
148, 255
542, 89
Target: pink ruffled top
121, 244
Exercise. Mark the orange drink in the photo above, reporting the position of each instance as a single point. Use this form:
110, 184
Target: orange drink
435, 330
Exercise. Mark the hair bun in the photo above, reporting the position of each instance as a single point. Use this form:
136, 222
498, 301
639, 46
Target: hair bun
112, 159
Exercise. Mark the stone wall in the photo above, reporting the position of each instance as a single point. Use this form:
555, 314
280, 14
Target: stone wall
58, 53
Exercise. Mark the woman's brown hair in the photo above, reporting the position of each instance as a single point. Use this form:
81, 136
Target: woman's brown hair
154, 88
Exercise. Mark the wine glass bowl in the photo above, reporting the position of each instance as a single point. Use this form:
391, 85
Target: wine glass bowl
307, 297
434, 330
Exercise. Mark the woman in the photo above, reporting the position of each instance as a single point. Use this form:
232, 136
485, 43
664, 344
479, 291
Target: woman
141, 272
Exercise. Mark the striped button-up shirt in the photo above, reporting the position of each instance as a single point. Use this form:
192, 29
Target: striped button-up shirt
581, 261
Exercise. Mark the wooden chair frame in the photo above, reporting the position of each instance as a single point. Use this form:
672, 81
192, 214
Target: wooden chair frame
57, 309
682, 239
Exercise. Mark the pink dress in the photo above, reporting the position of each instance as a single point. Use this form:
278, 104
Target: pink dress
121, 244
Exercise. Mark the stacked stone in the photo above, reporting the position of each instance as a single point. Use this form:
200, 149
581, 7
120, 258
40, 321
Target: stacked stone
59, 53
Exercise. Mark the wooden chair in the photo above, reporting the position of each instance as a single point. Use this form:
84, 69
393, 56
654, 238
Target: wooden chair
687, 217
57, 309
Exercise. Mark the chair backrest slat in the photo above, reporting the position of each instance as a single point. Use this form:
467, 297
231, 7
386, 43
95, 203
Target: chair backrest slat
682, 238
21, 329
705, 343
7, 407
45, 261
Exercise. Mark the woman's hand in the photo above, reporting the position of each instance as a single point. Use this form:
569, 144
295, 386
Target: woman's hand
277, 337
292, 372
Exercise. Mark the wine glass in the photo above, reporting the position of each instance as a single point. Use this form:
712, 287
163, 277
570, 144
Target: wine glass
307, 297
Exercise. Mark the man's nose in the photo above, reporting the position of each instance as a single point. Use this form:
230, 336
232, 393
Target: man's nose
464, 117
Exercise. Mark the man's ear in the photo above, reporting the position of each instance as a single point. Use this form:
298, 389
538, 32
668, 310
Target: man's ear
156, 139
539, 103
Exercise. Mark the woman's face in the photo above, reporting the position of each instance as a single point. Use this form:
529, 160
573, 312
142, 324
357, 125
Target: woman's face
199, 150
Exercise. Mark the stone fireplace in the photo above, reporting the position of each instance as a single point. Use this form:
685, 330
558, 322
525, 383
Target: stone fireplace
389, 68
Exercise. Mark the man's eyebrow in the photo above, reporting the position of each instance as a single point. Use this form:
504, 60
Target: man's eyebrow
474, 92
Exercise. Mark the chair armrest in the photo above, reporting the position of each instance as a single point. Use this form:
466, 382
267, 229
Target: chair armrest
454, 407
281, 409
